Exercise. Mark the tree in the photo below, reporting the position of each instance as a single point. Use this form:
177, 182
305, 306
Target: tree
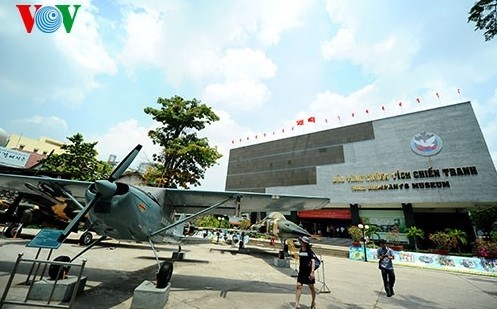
458, 237
484, 14
185, 156
415, 232
79, 160
485, 220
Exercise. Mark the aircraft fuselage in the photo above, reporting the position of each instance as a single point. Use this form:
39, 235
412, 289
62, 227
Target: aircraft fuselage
131, 214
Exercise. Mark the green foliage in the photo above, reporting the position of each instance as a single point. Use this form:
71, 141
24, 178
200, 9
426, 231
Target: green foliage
79, 161
211, 221
355, 233
441, 240
244, 224
373, 232
485, 220
415, 233
486, 248
393, 236
493, 236
484, 14
458, 237
185, 156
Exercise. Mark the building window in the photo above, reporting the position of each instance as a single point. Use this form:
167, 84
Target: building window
21, 147
45, 153
35, 150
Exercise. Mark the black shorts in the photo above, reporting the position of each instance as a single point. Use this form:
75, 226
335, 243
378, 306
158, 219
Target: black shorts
304, 278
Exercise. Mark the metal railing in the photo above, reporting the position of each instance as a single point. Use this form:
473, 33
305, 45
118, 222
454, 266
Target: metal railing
37, 263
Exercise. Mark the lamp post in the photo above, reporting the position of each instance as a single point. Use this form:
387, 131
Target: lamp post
363, 230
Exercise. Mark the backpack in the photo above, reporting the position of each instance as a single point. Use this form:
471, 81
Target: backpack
317, 261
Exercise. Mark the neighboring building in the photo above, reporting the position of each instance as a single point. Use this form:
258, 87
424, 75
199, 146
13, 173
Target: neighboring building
133, 178
428, 169
41, 146
24, 152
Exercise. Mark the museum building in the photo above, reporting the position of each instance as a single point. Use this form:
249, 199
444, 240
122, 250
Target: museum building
428, 169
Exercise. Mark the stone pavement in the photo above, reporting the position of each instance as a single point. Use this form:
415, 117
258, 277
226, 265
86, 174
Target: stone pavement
218, 276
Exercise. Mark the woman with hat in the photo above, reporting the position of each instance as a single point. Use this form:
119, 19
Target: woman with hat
306, 271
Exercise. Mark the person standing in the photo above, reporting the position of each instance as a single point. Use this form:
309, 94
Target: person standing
385, 256
306, 272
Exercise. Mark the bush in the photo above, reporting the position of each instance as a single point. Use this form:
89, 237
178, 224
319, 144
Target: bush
355, 233
441, 240
486, 248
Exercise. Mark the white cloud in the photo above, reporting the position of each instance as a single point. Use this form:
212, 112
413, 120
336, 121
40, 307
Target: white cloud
57, 67
243, 71
50, 122
121, 138
164, 35
83, 46
242, 95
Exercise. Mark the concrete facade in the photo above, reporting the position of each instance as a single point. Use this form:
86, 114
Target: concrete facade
372, 165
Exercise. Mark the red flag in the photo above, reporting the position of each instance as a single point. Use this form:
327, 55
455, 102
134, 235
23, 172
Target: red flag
248, 138
367, 111
264, 134
240, 140
417, 99
282, 130
458, 90
312, 119
300, 122
383, 107
400, 104
273, 132
232, 141
438, 96
352, 114
326, 120
256, 137
338, 118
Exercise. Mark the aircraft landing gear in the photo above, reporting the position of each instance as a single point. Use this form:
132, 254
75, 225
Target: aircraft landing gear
13, 231
164, 275
54, 269
59, 271
85, 239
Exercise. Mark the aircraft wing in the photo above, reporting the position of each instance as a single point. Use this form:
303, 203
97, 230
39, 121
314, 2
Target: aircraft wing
47, 187
191, 200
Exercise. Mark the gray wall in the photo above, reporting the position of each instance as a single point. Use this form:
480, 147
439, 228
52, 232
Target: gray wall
290, 161
381, 146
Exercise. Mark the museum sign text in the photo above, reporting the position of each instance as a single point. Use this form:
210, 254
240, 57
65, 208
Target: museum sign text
400, 180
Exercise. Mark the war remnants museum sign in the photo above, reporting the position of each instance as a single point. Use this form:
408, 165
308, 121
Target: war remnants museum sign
405, 180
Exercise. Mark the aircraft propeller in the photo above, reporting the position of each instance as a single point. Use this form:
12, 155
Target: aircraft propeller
104, 188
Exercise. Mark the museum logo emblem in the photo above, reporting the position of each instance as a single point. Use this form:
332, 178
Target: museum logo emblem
426, 144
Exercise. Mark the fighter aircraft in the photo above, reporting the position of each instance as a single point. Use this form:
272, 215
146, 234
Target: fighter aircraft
18, 209
124, 212
275, 224
278, 226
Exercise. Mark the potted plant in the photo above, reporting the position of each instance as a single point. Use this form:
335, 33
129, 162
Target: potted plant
373, 232
415, 232
393, 238
356, 235
486, 248
442, 241
458, 237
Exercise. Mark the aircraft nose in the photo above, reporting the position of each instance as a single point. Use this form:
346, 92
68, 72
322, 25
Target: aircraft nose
292, 228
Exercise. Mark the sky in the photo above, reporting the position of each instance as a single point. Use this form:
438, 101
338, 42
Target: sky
260, 65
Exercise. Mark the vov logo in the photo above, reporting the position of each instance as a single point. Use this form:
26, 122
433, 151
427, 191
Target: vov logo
47, 18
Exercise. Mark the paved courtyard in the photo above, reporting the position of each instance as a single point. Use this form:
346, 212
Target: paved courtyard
217, 276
